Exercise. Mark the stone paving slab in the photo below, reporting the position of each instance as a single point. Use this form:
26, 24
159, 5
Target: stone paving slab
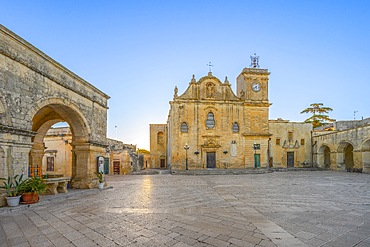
311, 208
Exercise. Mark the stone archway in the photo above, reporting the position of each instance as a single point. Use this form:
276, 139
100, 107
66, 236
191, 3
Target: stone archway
365, 150
345, 155
37, 92
324, 157
51, 112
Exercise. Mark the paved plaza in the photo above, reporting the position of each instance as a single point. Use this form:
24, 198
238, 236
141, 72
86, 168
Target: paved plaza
310, 208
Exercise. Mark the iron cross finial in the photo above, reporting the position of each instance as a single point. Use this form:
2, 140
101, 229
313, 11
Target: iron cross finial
210, 65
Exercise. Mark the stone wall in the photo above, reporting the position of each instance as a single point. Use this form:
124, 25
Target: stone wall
350, 124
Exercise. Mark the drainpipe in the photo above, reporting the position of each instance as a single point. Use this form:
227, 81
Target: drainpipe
312, 145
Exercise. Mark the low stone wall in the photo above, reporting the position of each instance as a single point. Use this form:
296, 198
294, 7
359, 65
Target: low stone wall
2, 199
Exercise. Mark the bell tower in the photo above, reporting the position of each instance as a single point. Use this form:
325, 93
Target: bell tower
252, 83
252, 89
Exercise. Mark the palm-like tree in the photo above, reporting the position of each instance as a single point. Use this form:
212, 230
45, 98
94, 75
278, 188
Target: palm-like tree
319, 114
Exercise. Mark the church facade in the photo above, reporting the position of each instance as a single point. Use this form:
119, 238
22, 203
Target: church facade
209, 126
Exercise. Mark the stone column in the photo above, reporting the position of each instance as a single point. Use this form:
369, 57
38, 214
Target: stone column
85, 165
366, 161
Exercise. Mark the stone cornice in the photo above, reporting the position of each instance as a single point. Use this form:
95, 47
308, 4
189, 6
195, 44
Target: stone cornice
6, 51
16, 131
98, 144
258, 103
255, 71
210, 135
257, 134
207, 101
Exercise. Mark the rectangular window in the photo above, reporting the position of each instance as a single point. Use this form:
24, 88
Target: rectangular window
50, 164
302, 142
290, 136
278, 141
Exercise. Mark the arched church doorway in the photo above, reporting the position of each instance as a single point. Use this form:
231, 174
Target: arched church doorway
324, 157
43, 119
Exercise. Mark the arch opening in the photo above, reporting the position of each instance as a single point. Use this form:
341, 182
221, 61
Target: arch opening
61, 133
324, 157
345, 155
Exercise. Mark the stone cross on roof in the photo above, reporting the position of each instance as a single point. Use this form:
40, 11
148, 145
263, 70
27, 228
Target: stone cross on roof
210, 66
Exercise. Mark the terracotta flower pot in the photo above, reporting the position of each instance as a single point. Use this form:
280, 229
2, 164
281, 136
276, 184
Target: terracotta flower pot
29, 198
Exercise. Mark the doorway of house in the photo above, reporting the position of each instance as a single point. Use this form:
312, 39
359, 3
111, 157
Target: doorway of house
163, 163
257, 161
290, 159
116, 165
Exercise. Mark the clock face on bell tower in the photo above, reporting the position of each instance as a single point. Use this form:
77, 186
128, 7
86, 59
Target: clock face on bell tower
256, 86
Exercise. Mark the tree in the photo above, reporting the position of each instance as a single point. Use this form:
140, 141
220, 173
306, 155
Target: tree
319, 114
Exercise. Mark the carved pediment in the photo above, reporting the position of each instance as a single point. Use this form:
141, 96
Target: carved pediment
289, 144
207, 88
211, 143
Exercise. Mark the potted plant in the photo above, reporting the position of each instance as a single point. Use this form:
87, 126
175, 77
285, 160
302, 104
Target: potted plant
12, 186
32, 188
99, 175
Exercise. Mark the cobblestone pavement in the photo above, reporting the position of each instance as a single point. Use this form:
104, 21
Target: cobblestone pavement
328, 209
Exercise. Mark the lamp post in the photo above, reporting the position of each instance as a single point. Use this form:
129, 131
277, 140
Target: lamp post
225, 163
196, 153
186, 147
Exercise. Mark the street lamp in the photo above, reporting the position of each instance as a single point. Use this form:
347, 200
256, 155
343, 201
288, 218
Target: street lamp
186, 147
225, 163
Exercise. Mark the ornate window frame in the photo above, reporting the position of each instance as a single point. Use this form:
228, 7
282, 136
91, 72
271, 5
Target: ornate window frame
235, 127
210, 121
184, 127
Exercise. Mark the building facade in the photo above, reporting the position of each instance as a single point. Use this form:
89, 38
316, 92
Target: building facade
290, 143
209, 126
57, 158
37, 92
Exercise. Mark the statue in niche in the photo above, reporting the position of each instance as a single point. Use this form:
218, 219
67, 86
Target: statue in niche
242, 94
233, 150
210, 90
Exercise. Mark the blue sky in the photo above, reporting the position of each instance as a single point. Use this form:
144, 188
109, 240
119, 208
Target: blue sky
138, 51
